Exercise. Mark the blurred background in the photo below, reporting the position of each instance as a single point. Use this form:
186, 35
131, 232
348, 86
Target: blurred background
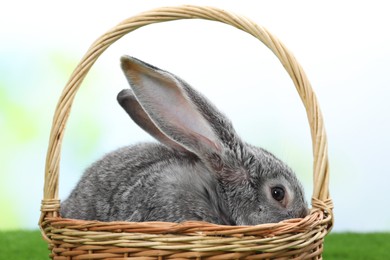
342, 45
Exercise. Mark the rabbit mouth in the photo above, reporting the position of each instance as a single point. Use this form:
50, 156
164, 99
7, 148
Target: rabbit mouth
300, 214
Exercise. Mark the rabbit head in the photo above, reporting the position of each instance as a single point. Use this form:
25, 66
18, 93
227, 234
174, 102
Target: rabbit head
253, 185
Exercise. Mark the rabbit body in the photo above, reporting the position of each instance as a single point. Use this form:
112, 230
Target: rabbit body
146, 182
201, 170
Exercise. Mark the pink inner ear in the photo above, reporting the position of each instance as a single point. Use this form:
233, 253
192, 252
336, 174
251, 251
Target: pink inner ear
163, 98
171, 108
137, 113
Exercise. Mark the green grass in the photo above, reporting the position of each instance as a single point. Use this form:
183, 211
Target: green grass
24, 245
373, 246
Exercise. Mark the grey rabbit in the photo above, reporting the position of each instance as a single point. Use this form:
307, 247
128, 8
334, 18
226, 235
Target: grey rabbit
201, 170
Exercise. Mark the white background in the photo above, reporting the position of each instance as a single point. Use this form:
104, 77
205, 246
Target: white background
342, 45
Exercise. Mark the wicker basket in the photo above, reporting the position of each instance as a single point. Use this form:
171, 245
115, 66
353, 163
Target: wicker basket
290, 239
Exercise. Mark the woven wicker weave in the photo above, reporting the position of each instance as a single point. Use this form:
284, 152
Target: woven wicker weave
290, 239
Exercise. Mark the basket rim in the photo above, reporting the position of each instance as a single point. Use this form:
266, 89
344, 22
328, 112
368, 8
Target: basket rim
191, 239
320, 198
315, 218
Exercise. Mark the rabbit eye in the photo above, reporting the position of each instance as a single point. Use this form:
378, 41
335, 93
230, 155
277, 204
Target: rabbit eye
277, 193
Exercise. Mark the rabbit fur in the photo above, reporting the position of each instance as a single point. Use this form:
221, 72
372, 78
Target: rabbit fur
200, 170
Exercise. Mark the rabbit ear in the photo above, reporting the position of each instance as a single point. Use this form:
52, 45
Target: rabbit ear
164, 99
133, 108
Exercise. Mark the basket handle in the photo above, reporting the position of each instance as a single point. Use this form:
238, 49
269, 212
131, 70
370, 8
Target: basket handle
321, 199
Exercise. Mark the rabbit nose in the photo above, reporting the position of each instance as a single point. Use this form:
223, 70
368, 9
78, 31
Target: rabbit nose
304, 212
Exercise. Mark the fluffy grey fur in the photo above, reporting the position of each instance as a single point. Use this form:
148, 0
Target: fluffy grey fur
200, 170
